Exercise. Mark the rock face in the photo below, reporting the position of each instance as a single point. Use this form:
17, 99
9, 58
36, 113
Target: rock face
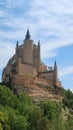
37, 89
39, 93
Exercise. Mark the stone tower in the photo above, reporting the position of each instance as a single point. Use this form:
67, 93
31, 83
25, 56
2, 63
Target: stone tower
27, 49
17, 49
55, 73
36, 55
19, 65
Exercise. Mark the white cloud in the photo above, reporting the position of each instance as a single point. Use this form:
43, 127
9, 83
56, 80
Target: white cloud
47, 20
6, 51
12, 3
66, 71
51, 18
48, 54
2, 13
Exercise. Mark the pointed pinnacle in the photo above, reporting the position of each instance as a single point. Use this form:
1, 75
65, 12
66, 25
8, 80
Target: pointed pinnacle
27, 37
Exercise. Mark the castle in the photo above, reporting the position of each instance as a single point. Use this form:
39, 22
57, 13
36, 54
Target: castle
26, 68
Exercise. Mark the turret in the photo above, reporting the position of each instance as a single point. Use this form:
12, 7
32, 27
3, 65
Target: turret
17, 49
55, 78
19, 65
38, 54
55, 64
27, 37
27, 49
38, 43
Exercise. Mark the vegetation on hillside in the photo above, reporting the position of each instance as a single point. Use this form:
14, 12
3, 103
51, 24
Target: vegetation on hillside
19, 113
68, 99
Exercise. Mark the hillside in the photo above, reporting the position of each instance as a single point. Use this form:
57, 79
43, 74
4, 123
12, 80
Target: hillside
20, 113
39, 92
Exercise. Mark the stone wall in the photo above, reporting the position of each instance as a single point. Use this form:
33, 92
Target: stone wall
22, 80
27, 80
40, 81
47, 75
59, 84
26, 68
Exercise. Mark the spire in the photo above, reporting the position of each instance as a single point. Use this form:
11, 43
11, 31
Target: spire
27, 37
55, 64
17, 44
38, 42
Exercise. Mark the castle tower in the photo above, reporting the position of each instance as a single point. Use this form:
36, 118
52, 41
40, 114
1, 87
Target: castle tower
17, 49
35, 55
28, 49
19, 65
55, 75
38, 55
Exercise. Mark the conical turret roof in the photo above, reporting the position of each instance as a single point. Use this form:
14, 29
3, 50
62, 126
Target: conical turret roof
27, 37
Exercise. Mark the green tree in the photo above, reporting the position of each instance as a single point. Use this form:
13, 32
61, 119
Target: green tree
34, 118
49, 109
7, 98
69, 123
43, 124
4, 122
53, 112
24, 99
68, 99
15, 119
24, 105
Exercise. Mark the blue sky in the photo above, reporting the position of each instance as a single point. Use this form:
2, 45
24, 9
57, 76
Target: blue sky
50, 21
